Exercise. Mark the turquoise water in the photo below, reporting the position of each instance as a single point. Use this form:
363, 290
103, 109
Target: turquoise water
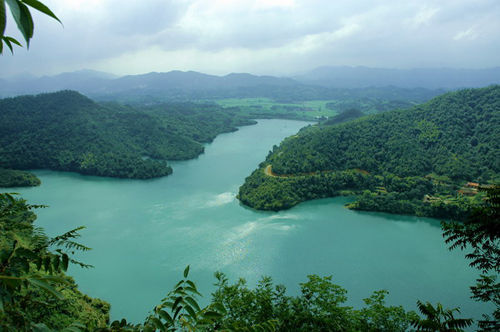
144, 233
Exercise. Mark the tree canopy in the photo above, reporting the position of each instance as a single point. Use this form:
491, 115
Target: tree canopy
411, 161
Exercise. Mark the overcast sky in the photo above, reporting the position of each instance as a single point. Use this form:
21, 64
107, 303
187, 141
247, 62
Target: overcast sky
277, 37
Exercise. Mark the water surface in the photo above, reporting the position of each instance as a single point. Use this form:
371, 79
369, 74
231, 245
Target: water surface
143, 234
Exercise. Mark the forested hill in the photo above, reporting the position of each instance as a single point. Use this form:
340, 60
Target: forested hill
454, 137
67, 131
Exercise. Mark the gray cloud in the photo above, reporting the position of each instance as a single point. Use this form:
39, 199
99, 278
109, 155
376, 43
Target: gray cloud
260, 36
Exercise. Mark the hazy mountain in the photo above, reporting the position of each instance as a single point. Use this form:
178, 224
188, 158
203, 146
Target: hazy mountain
321, 83
430, 78
99, 83
82, 80
190, 81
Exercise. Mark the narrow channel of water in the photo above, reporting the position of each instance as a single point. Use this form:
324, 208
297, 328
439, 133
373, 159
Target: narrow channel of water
143, 234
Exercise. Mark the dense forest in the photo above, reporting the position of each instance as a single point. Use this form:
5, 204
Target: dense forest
405, 161
16, 178
69, 132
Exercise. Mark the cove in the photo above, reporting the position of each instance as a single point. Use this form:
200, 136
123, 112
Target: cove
144, 233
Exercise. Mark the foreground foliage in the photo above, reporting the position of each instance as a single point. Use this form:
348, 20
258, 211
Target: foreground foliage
33, 286
480, 236
439, 319
21, 14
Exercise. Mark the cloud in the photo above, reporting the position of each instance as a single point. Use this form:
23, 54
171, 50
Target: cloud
259, 36
469, 34
424, 16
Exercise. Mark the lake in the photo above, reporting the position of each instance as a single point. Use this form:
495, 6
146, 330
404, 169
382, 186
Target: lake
145, 232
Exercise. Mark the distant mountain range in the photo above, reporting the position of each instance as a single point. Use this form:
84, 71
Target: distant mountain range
320, 83
435, 78
96, 83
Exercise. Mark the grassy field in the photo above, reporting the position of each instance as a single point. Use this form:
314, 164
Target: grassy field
311, 110
266, 107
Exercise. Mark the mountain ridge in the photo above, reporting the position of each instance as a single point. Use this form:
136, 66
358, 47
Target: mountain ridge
192, 84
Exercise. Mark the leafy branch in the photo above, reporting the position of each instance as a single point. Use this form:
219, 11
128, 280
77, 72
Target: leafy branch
19, 10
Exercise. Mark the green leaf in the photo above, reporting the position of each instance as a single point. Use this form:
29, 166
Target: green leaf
219, 307
190, 283
176, 302
186, 271
27, 22
25, 266
38, 263
72, 329
193, 290
179, 283
40, 327
46, 287
191, 311
212, 315
168, 304
177, 312
15, 10
192, 302
65, 260
148, 329
56, 262
56, 279
159, 325
3, 19
46, 264
179, 290
163, 314
42, 8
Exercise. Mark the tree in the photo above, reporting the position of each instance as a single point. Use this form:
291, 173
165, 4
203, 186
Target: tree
31, 265
481, 233
22, 16
439, 319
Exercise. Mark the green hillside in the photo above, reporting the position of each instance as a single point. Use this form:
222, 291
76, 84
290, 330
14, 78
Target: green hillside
15, 178
69, 132
406, 161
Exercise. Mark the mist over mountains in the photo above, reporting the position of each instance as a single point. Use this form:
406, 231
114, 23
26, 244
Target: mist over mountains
429, 78
322, 82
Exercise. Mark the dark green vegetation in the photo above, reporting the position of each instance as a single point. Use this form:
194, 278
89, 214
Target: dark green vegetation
69, 132
33, 286
344, 116
14, 178
406, 161
480, 236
